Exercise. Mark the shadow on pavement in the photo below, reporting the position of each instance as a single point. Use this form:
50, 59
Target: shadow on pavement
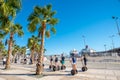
13, 74
57, 74
70, 71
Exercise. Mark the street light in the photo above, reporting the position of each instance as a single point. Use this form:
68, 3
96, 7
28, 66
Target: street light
84, 40
116, 18
112, 41
105, 47
105, 55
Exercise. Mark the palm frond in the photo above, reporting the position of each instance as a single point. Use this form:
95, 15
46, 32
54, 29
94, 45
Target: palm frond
37, 10
52, 14
16, 4
17, 28
49, 7
1, 35
53, 21
31, 27
53, 30
20, 33
31, 17
33, 42
47, 33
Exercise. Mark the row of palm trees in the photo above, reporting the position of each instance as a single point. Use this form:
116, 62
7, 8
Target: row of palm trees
8, 11
33, 44
41, 20
2, 49
18, 52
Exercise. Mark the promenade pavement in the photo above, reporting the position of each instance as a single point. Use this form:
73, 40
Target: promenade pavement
27, 72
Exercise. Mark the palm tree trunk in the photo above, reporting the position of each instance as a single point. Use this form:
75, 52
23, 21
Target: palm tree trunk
9, 52
13, 59
32, 56
39, 65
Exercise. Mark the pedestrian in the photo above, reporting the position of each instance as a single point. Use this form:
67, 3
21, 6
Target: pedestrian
73, 61
51, 60
4, 61
43, 61
15, 60
84, 60
30, 60
25, 61
56, 61
62, 60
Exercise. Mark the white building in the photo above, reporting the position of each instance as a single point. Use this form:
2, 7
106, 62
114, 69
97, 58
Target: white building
88, 51
75, 52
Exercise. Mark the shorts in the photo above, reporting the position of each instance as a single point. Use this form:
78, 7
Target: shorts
56, 61
4, 62
62, 62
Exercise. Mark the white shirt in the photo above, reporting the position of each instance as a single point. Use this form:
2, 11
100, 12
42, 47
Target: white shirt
4, 59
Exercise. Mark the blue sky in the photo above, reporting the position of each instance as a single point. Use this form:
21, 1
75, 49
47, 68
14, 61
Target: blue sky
91, 18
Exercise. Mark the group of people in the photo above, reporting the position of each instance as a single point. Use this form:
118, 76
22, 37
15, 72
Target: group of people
54, 60
73, 60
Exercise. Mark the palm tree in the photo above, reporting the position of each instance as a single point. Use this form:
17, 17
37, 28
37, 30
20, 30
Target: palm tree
32, 44
15, 51
41, 17
23, 50
8, 11
2, 47
18, 51
15, 29
37, 49
4, 53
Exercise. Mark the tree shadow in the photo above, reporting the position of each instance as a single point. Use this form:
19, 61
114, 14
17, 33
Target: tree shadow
14, 74
22, 74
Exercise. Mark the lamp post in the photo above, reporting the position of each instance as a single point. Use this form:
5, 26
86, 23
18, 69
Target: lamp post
105, 55
105, 47
116, 18
84, 40
112, 41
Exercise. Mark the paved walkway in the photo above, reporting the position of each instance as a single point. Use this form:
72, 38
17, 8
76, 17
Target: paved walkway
26, 72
